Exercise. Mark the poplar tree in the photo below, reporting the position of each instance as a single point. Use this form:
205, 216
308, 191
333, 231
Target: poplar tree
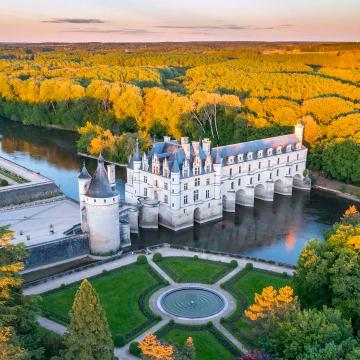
89, 335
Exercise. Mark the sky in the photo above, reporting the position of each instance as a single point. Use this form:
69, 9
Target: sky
178, 20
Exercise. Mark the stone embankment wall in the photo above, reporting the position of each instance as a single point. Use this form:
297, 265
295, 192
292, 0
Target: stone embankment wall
56, 251
27, 193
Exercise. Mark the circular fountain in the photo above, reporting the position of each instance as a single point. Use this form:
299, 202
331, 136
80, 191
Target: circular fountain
192, 303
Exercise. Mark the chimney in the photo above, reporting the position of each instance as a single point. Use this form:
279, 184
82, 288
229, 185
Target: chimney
206, 146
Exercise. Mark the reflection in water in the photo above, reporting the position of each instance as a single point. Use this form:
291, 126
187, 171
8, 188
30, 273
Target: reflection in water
271, 230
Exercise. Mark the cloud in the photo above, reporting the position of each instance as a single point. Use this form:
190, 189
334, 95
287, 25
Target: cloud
74, 21
110, 31
221, 27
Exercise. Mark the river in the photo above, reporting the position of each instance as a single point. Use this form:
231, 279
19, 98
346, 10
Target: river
273, 231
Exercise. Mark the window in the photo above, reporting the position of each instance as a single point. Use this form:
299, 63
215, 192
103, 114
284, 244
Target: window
289, 170
207, 194
269, 163
277, 172
251, 181
297, 167
239, 182
185, 200
259, 164
288, 158
208, 181
196, 195
270, 175
166, 199
197, 181
156, 183
186, 172
297, 156
239, 169
232, 185
145, 191
185, 186
145, 179
230, 172
166, 186
208, 168
249, 167
196, 170
278, 161
258, 177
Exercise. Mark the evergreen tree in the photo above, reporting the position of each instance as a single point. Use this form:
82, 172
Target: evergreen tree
89, 336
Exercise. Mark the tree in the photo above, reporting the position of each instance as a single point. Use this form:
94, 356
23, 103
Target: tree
272, 303
328, 273
152, 349
311, 334
88, 336
18, 339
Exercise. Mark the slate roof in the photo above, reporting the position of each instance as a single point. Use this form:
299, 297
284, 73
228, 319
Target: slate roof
84, 174
99, 184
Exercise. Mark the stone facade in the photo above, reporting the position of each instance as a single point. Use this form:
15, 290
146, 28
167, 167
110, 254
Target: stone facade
177, 184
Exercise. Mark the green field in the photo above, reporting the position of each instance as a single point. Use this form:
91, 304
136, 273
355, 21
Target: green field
123, 293
243, 287
186, 269
209, 343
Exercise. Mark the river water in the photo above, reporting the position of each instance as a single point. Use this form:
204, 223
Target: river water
273, 231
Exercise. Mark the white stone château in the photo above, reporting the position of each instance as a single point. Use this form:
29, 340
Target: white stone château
176, 184
99, 209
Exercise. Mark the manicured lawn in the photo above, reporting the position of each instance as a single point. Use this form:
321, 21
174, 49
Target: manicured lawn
185, 269
123, 293
243, 287
209, 343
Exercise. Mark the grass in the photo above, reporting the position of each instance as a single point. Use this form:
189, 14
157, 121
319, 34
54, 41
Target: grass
185, 269
9, 174
209, 343
123, 293
243, 287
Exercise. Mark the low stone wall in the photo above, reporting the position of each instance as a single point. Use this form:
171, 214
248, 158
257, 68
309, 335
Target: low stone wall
56, 251
27, 193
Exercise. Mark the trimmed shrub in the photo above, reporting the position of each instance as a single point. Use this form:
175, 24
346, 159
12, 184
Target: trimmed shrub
119, 341
171, 322
157, 257
233, 264
285, 274
141, 259
209, 324
104, 271
249, 266
3, 182
134, 349
195, 257
62, 286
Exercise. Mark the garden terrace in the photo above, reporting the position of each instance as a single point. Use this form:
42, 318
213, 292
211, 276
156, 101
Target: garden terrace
186, 269
124, 295
243, 287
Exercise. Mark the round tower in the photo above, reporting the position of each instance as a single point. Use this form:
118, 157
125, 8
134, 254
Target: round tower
84, 179
102, 213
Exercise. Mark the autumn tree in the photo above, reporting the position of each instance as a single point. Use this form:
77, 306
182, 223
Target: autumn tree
18, 338
88, 335
152, 349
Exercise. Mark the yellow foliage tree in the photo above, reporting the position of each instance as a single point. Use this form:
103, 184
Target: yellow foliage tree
270, 303
351, 211
152, 349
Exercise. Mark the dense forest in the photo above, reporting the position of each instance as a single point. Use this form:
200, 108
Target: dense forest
230, 92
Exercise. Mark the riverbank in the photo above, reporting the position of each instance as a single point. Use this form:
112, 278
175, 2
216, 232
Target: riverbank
341, 189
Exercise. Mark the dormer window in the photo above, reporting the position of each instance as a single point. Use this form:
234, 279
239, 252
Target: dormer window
269, 152
208, 168
279, 150
249, 156
260, 154
197, 166
298, 146
156, 169
240, 157
230, 160
288, 148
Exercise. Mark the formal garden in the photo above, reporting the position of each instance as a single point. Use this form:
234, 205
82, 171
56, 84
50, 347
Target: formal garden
124, 294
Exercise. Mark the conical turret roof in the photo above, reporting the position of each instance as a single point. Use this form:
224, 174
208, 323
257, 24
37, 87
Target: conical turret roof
175, 166
84, 174
99, 185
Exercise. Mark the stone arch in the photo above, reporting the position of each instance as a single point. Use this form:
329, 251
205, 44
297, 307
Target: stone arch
240, 196
278, 185
259, 191
298, 180
197, 214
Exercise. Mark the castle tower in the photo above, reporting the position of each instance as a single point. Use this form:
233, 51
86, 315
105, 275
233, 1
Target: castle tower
299, 131
217, 168
84, 179
175, 185
102, 213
